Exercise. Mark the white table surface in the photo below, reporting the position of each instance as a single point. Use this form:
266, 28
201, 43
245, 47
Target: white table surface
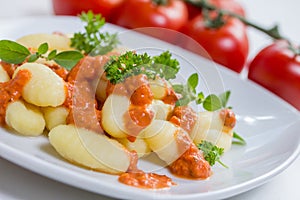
17, 183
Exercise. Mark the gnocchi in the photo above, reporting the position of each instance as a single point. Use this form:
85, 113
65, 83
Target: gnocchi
3, 75
209, 126
166, 140
26, 119
45, 88
55, 116
55, 41
89, 149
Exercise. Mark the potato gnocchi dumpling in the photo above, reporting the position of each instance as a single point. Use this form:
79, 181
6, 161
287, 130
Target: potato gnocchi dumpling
26, 119
55, 41
90, 149
159, 88
209, 126
3, 75
164, 139
45, 88
139, 145
162, 110
55, 116
113, 111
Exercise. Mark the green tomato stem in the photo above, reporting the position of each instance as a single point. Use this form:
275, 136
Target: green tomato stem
272, 32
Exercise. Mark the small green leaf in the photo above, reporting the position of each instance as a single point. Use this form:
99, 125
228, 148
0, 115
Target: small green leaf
238, 140
12, 52
224, 97
68, 59
212, 103
43, 48
33, 57
193, 81
52, 54
200, 98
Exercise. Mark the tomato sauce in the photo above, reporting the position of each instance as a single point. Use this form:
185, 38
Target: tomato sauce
137, 178
191, 164
146, 180
185, 117
82, 83
11, 91
9, 68
171, 97
228, 117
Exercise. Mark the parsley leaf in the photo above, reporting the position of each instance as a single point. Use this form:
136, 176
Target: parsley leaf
92, 41
131, 64
211, 153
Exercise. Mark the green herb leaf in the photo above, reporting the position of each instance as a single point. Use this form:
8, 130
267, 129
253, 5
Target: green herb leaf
43, 48
131, 64
224, 97
12, 52
68, 59
212, 103
92, 41
165, 66
188, 91
52, 54
238, 140
33, 57
211, 153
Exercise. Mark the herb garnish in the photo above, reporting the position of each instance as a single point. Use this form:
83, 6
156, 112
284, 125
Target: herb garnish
188, 92
92, 41
15, 53
131, 64
211, 153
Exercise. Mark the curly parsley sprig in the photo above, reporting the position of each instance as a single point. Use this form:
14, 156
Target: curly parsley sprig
211, 153
131, 64
92, 41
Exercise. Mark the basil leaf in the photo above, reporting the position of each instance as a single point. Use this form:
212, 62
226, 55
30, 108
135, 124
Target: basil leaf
12, 52
43, 48
212, 103
68, 59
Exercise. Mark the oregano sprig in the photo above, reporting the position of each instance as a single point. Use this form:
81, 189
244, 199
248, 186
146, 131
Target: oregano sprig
15, 53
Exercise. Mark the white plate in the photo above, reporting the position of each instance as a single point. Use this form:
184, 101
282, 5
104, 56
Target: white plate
269, 125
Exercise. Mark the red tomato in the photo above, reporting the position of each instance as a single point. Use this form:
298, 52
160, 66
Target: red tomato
75, 7
230, 5
146, 13
277, 68
227, 45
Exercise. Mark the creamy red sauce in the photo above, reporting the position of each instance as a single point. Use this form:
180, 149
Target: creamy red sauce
138, 91
11, 91
137, 178
171, 97
9, 68
82, 83
185, 117
228, 117
191, 164
146, 180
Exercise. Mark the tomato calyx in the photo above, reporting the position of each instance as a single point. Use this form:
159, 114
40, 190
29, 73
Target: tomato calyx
213, 22
273, 32
161, 2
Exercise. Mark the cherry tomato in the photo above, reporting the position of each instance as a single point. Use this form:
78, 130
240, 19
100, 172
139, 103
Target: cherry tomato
75, 7
277, 68
149, 13
230, 5
227, 45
